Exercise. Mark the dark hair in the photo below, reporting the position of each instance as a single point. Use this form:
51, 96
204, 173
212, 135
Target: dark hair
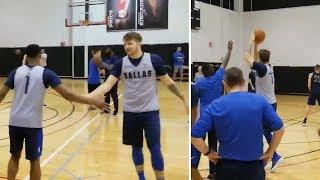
233, 76
95, 50
317, 67
264, 55
132, 36
33, 50
108, 52
207, 70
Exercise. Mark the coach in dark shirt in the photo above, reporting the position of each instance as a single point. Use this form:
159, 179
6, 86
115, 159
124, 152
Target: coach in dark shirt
238, 119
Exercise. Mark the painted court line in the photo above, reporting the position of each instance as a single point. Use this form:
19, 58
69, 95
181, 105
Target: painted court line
48, 159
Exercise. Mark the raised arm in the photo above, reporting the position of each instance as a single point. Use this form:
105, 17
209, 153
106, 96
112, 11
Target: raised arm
254, 46
228, 55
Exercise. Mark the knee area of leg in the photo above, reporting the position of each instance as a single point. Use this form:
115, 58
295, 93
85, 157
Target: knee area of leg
155, 149
34, 162
156, 158
16, 157
137, 155
136, 149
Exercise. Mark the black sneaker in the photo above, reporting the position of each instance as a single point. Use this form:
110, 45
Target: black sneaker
115, 113
304, 123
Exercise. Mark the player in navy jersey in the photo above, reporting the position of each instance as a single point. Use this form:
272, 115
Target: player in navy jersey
139, 71
314, 88
29, 83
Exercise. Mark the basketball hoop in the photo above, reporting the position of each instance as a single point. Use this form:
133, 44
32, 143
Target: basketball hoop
84, 22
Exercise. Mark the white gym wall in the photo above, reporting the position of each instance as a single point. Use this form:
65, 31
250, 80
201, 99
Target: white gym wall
217, 25
42, 22
292, 34
177, 32
32, 21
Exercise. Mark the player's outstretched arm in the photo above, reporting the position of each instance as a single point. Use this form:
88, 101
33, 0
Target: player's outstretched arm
83, 99
3, 92
228, 55
104, 88
253, 44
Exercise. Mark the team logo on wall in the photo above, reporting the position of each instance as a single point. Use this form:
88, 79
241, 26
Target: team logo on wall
152, 14
137, 14
121, 14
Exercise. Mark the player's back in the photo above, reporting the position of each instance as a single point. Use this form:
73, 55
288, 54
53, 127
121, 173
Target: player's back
29, 92
265, 85
210, 88
315, 83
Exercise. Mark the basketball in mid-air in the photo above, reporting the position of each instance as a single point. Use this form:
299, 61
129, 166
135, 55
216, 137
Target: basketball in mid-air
259, 35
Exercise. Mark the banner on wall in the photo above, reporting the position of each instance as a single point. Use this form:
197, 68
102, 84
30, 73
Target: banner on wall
152, 14
121, 14
137, 14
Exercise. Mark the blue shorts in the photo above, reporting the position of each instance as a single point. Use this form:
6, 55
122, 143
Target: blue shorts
135, 123
33, 138
313, 98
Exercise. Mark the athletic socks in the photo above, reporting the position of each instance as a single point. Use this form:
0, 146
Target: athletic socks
137, 157
157, 162
156, 159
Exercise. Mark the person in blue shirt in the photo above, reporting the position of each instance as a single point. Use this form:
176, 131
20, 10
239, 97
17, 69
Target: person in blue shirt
178, 60
210, 88
95, 68
109, 59
195, 175
238, 119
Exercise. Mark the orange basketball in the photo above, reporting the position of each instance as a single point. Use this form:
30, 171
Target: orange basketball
259, 36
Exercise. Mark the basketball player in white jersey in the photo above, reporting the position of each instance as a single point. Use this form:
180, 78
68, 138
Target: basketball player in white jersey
139, 71
29, 83
264, 85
